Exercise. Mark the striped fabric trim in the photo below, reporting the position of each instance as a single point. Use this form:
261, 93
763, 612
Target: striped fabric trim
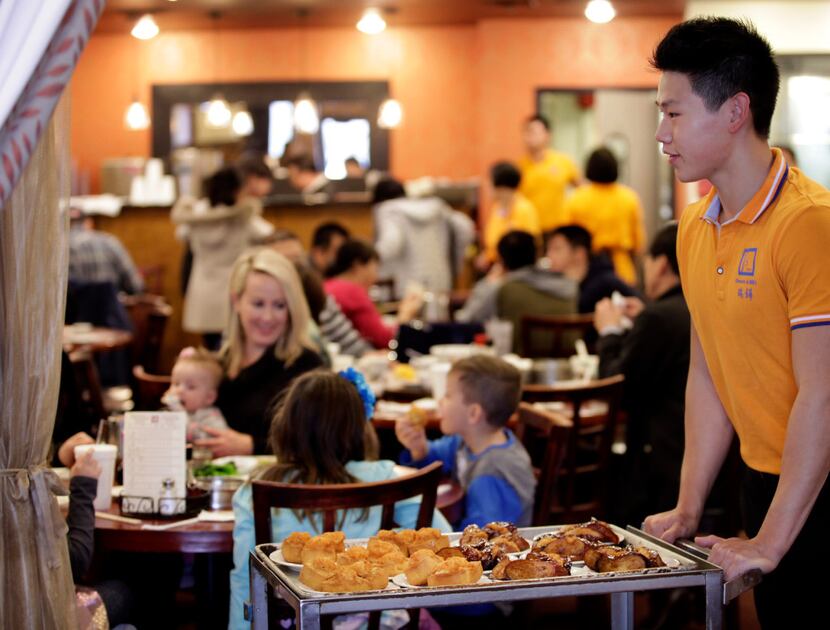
812, 325
775, 189
809, 321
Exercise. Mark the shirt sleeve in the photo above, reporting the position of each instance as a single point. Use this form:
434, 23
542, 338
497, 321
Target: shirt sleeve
243, 544
441, 450
801, 255
129, 277
81, 523
368, 322
490, 498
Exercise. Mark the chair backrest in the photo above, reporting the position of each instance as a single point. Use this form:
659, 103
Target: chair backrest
328, 499
517, 299
544, 435
583, 481
553, 335
149, 388
149, 314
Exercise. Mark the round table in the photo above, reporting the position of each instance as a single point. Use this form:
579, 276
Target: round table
95, 339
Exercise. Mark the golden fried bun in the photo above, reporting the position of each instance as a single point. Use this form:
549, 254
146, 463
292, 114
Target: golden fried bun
352, 555
316, 572
326, 545
420, 565
428, 538
391, 563
455, 572
292, 547
379, 548
387, 535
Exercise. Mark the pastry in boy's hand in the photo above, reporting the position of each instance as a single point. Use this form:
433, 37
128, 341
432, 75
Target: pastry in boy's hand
292, 547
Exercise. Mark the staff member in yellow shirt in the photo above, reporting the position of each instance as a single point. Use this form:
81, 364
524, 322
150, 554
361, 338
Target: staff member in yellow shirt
546, 174
753, 264
509, 211
611, 212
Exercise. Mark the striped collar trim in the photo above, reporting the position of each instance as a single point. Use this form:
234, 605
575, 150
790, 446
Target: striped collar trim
763, 199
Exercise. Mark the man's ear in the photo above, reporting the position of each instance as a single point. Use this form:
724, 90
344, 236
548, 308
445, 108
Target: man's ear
739, 112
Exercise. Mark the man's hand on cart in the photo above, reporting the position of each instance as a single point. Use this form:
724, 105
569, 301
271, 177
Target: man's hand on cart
737, 556
671, 525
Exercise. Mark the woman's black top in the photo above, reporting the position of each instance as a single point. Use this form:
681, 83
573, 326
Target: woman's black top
247, 401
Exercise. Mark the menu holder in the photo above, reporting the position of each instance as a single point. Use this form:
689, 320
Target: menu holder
154, 452
166, 509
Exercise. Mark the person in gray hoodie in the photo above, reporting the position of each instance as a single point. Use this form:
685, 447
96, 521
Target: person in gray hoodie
418, 240
517, 262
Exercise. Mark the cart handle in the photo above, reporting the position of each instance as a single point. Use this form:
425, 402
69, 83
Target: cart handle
733, 587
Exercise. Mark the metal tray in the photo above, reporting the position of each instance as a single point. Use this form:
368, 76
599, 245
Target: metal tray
691, 570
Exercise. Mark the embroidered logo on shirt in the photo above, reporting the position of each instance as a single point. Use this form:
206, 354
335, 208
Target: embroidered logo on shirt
746, 273
747, 266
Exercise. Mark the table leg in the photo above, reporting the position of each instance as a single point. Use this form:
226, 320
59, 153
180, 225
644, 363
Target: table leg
259, 598
714, 601
622, 611
309, 616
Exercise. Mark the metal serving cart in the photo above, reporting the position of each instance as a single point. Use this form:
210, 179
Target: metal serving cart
688, 568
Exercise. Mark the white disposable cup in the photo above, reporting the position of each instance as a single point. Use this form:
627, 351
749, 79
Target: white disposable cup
104, 454
439, 373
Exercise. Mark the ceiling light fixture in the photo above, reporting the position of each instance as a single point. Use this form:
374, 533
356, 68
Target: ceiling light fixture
136, 117
306, 118
371, 22
600, 11
145, 28
242, 124
390, 114
218, 112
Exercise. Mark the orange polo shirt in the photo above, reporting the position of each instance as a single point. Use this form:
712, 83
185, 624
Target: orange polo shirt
544, 184
521, 216
751, 283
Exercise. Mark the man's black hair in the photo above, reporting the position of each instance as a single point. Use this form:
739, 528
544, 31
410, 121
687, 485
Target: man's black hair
722, 57
351, 160
222, 187
324, 232
352, 251
517, 249
538, 118
386, 189
254, 165
576, 235
505, 175
602, 167
303, 161
665, 244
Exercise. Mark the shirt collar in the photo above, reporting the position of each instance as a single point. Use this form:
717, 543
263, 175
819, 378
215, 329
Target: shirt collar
763, 198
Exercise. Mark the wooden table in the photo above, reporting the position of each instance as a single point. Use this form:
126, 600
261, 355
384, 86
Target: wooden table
95, 339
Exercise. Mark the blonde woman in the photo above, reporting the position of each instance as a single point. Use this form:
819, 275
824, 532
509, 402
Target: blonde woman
266, 346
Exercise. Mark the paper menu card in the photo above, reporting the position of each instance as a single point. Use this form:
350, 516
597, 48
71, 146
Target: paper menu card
154, 450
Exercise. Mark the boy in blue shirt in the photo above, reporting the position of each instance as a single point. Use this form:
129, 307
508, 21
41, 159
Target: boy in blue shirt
478, 450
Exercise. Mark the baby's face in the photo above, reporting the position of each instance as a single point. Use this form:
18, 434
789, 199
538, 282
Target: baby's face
193, 385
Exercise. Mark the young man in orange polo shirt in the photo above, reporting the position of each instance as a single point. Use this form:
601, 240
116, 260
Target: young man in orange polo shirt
753, 259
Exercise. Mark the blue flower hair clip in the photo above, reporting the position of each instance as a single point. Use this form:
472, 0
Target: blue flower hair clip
366, 394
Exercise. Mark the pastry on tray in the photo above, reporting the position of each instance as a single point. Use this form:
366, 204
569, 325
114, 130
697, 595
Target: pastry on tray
292, 547
594, 529
352, 555
536, 565
326, 545
455, 572
420, 565
428, 538
607, 558
567, 545
322, 574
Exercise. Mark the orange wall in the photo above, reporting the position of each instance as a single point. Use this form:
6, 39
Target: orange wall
464, 89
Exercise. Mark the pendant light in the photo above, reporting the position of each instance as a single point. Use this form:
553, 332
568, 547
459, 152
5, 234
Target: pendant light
242, 124
136, 116
390, 114
145, 28
218, 113
600, 11
306, 113
371, 22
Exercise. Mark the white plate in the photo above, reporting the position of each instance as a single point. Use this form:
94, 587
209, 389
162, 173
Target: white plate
400, 580
277, 558
311, 591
